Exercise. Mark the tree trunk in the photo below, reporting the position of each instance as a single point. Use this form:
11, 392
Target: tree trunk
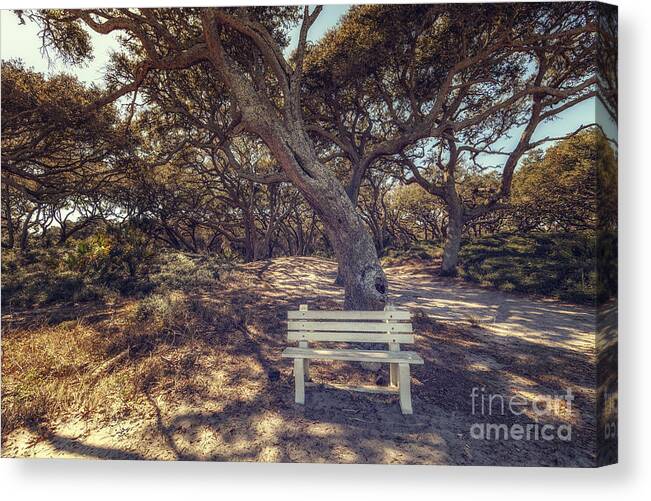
24, 234
63, 234
453, 237
9, 231
362, 276
352, 190
249, 237
359, 268
285, 136
339, 279
264, 248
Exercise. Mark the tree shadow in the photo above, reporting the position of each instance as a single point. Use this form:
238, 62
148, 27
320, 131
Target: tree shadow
340, 426
238, 404
75, 446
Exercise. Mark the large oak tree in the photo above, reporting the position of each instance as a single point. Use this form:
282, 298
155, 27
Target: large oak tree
243, 49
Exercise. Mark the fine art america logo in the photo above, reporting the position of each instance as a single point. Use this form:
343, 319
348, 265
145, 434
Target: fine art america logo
488, 407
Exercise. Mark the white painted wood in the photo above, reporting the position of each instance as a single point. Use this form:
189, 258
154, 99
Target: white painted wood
348, 326
406, 357
365, 388
405, 389
351, 337
305, 344
299, 381
393, 346
306, 365
393, 368
389, 326
395, 315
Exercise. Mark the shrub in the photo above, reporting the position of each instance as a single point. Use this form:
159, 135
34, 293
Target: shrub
177, 270
423, 251
47, 277
103, 267
37, 279
561, 265
110, 256
607, 265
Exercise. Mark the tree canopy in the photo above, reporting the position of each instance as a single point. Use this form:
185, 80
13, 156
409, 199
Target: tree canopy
207, 135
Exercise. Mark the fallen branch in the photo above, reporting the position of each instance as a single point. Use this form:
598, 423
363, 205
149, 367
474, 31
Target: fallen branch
110, 363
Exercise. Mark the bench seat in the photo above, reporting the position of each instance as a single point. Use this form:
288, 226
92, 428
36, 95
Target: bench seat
407, 357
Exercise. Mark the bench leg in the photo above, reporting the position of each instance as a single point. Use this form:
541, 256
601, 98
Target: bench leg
299, 381
405, 389
306, 363
393, 368
393, 375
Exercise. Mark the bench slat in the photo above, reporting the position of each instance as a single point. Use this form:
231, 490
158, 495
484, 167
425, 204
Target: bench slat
348, 326
351, 337
408, 357
363, 388
348, 315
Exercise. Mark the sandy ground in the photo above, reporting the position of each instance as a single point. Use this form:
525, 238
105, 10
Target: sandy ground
240, 406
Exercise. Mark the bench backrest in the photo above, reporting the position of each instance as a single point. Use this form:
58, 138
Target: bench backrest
388, 326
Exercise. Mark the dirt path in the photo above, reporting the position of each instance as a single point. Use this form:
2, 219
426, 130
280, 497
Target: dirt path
473, 341
507, 315
541, 320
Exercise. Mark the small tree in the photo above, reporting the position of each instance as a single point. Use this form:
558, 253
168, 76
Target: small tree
557, 190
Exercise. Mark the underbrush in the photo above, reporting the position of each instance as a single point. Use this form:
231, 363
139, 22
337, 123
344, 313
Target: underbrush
423, 251
83, 273
108, 331
107, 368
178, 270
560, 265
48, 372
178, 309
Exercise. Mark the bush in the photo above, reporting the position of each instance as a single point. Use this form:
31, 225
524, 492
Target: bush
177, 270
561, 265
423, 251
162, 309
110, 256
37, 279
47, 276
103, 267
607, 265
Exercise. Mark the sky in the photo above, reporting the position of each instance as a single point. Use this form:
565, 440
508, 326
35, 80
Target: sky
22, 41
329, 16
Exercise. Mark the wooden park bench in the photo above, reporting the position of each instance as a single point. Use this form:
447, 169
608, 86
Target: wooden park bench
389, 326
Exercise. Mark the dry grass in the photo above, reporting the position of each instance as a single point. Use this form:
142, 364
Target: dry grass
106, 365
98, 357
48, 372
